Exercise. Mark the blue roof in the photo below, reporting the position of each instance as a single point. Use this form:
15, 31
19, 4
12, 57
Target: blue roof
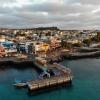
7, 44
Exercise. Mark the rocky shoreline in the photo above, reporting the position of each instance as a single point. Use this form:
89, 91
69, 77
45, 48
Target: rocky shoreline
83, 55
11, 62
75, 56
15, 63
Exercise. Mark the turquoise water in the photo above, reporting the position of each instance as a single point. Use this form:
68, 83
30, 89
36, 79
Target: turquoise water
86, 83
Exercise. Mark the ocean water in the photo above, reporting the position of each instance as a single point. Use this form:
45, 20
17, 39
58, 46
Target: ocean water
85, 85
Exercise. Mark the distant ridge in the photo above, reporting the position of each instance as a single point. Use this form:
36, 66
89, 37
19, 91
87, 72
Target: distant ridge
38, 28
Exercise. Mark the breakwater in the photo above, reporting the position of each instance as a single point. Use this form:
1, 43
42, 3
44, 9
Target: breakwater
86, 49
82, 55
73, 56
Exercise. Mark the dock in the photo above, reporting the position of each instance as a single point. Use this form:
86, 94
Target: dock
34, 86
63, 78
39, 67
59, 75
62, 69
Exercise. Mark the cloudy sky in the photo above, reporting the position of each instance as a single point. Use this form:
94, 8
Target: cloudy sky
66, 14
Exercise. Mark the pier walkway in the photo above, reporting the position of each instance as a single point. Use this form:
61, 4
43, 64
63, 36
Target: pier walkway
62, 69
46, 83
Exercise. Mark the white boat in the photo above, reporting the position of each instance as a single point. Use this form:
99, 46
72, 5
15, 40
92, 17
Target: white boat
20, 84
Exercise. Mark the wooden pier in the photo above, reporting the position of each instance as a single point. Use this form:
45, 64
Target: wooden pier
48, 83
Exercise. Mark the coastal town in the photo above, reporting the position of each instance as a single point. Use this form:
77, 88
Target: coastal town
49, 43
49, 49
44, 48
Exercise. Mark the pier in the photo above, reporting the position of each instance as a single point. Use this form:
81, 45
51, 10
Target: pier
48, 83
39, 65
64, 78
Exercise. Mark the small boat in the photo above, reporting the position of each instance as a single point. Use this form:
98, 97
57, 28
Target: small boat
20, 84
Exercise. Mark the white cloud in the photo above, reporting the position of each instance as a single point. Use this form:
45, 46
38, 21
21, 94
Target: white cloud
66, 14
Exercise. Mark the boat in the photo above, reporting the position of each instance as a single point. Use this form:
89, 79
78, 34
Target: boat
20, 84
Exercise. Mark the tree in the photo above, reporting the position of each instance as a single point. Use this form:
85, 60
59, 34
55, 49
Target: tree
77, 45
98, 36
65, 44
87, 42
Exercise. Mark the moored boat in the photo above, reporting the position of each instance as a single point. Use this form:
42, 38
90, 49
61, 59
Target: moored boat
20, 84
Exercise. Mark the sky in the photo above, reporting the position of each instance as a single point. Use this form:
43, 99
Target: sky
65, 14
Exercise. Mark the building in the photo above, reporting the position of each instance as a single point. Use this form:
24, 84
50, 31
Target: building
55, 43
2, 51
9, 47
2, 38
41, 49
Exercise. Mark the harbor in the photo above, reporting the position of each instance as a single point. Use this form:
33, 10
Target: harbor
86, 79
49, 79
65, 77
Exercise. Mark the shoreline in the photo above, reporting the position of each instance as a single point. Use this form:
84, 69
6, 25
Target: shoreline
11, 62
17, 63
74, 56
